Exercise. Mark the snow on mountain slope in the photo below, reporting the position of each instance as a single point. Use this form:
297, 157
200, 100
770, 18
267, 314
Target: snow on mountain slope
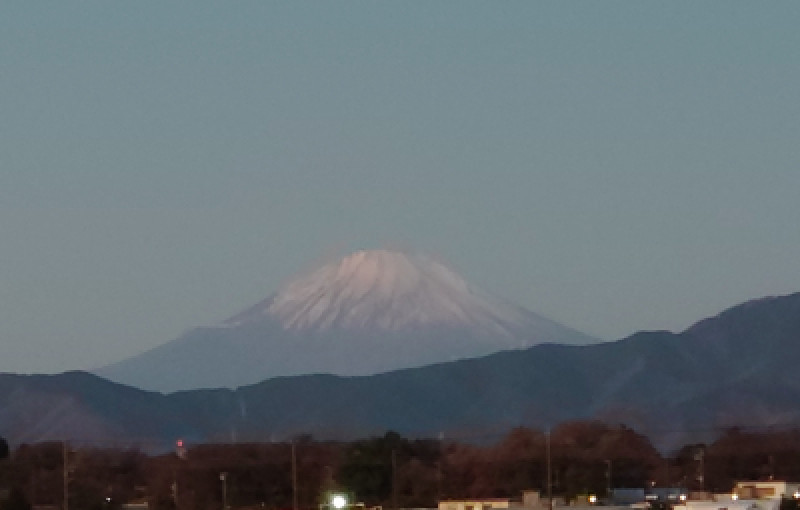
385, 290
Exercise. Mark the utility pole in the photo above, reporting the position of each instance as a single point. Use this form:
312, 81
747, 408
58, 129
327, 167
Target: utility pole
223, 477
394, 479
294, 478
699, 456
439, 468
180, 453
608, 479
174, 488
65, 458
549, 472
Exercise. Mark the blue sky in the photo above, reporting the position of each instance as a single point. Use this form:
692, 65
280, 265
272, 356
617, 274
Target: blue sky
615, 166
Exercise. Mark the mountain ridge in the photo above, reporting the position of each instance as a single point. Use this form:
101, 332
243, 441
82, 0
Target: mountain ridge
669, 386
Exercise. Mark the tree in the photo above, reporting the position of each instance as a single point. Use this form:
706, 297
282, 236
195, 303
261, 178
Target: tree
16, 501
367, 468
590, 456
391, 469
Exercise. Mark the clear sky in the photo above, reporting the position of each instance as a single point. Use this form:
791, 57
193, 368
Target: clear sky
615, 166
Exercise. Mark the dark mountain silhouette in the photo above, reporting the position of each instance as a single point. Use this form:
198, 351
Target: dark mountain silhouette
738, 368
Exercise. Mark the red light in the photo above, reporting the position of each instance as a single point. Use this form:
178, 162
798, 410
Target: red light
179, 443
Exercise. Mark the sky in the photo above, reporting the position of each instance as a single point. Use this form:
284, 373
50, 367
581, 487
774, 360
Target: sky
615, 166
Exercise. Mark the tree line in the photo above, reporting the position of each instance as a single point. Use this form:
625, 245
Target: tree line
585, 457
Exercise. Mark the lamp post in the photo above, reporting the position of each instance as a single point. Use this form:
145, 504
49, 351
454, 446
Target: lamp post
65, 454
699, 456
223, 477
338, 501
294, 477
394, 479
549, 472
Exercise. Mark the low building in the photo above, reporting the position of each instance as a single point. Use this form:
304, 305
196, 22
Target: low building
748, 495
135, 505
531, 498
475, 504
624, 497
772, 489
669, 495
741, 504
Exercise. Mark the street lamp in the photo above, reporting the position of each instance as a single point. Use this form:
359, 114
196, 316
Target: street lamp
223, 477
338, 501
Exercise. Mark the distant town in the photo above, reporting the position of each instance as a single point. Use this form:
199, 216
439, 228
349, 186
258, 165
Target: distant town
578, 464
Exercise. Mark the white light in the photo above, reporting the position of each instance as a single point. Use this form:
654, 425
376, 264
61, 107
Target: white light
593, 499
796, 494
735, 497
338, 501
683, 497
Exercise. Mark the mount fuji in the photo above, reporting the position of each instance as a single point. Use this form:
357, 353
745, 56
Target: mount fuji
370, 312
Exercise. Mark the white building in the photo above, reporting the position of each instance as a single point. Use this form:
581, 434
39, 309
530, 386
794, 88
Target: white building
749, 496
475, 504
773, 489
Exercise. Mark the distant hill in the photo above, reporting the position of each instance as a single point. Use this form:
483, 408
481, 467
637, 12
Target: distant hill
370, 312
738, 368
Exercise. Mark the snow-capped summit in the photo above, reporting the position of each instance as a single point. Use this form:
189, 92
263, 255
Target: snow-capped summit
385, 290
370, 312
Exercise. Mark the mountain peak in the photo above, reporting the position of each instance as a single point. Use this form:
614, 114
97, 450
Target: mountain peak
369, 312
384, 290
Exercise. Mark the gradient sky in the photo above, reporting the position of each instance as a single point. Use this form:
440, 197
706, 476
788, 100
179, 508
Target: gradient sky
615, 166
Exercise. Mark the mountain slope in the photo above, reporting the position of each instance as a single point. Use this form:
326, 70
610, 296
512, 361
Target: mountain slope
382, 290
734, 369
371, 312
